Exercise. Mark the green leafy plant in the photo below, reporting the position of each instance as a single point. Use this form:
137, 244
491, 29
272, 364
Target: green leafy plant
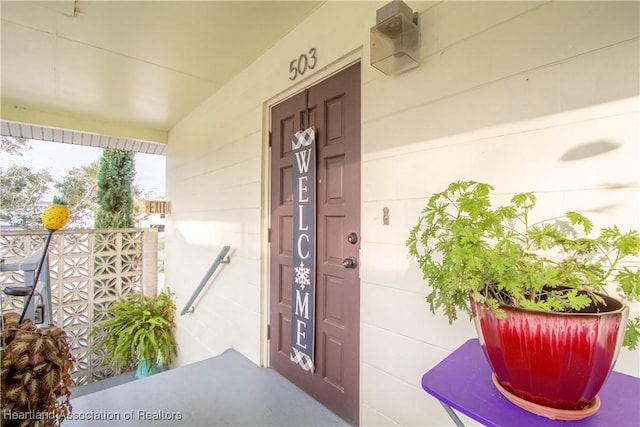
36, 373
466, 249
138, 328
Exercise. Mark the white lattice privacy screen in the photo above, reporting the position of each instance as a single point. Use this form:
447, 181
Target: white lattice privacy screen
89, 269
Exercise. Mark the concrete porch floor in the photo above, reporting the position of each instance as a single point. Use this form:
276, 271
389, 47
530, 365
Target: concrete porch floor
227, 390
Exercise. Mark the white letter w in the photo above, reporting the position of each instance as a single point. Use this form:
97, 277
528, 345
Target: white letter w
303, 158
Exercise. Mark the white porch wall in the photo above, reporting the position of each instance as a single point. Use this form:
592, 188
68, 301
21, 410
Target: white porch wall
504, 90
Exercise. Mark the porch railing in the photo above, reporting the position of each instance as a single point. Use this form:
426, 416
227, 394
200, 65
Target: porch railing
222, 258
88, 270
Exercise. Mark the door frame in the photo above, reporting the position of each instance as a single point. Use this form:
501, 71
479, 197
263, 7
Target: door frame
265, 248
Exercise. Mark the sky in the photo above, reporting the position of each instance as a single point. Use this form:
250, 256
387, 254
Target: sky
58, 158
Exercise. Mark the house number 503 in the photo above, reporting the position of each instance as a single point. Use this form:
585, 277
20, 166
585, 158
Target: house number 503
300, 65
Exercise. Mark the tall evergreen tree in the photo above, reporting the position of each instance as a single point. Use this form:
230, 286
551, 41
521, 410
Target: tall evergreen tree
115, 199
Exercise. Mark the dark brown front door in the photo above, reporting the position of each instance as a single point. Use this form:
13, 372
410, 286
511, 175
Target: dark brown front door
333, 108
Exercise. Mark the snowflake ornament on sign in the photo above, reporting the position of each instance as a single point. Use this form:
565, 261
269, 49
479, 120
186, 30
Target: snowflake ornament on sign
302, 275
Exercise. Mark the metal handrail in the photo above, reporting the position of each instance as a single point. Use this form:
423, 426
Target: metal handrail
222, 258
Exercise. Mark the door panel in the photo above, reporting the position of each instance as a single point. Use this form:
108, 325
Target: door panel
333, 108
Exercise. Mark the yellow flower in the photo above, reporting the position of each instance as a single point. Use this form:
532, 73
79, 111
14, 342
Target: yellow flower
55, 217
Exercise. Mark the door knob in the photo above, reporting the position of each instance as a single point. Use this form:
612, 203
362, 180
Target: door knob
350, 262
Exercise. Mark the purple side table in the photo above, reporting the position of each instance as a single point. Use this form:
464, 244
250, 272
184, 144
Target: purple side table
462, 381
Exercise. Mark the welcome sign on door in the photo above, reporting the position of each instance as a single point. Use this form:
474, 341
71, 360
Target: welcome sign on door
304, 256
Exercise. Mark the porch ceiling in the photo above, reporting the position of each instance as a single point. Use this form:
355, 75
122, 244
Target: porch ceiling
122, 73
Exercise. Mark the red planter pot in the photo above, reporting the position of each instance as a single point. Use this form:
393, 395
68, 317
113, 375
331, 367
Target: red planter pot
556, 360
